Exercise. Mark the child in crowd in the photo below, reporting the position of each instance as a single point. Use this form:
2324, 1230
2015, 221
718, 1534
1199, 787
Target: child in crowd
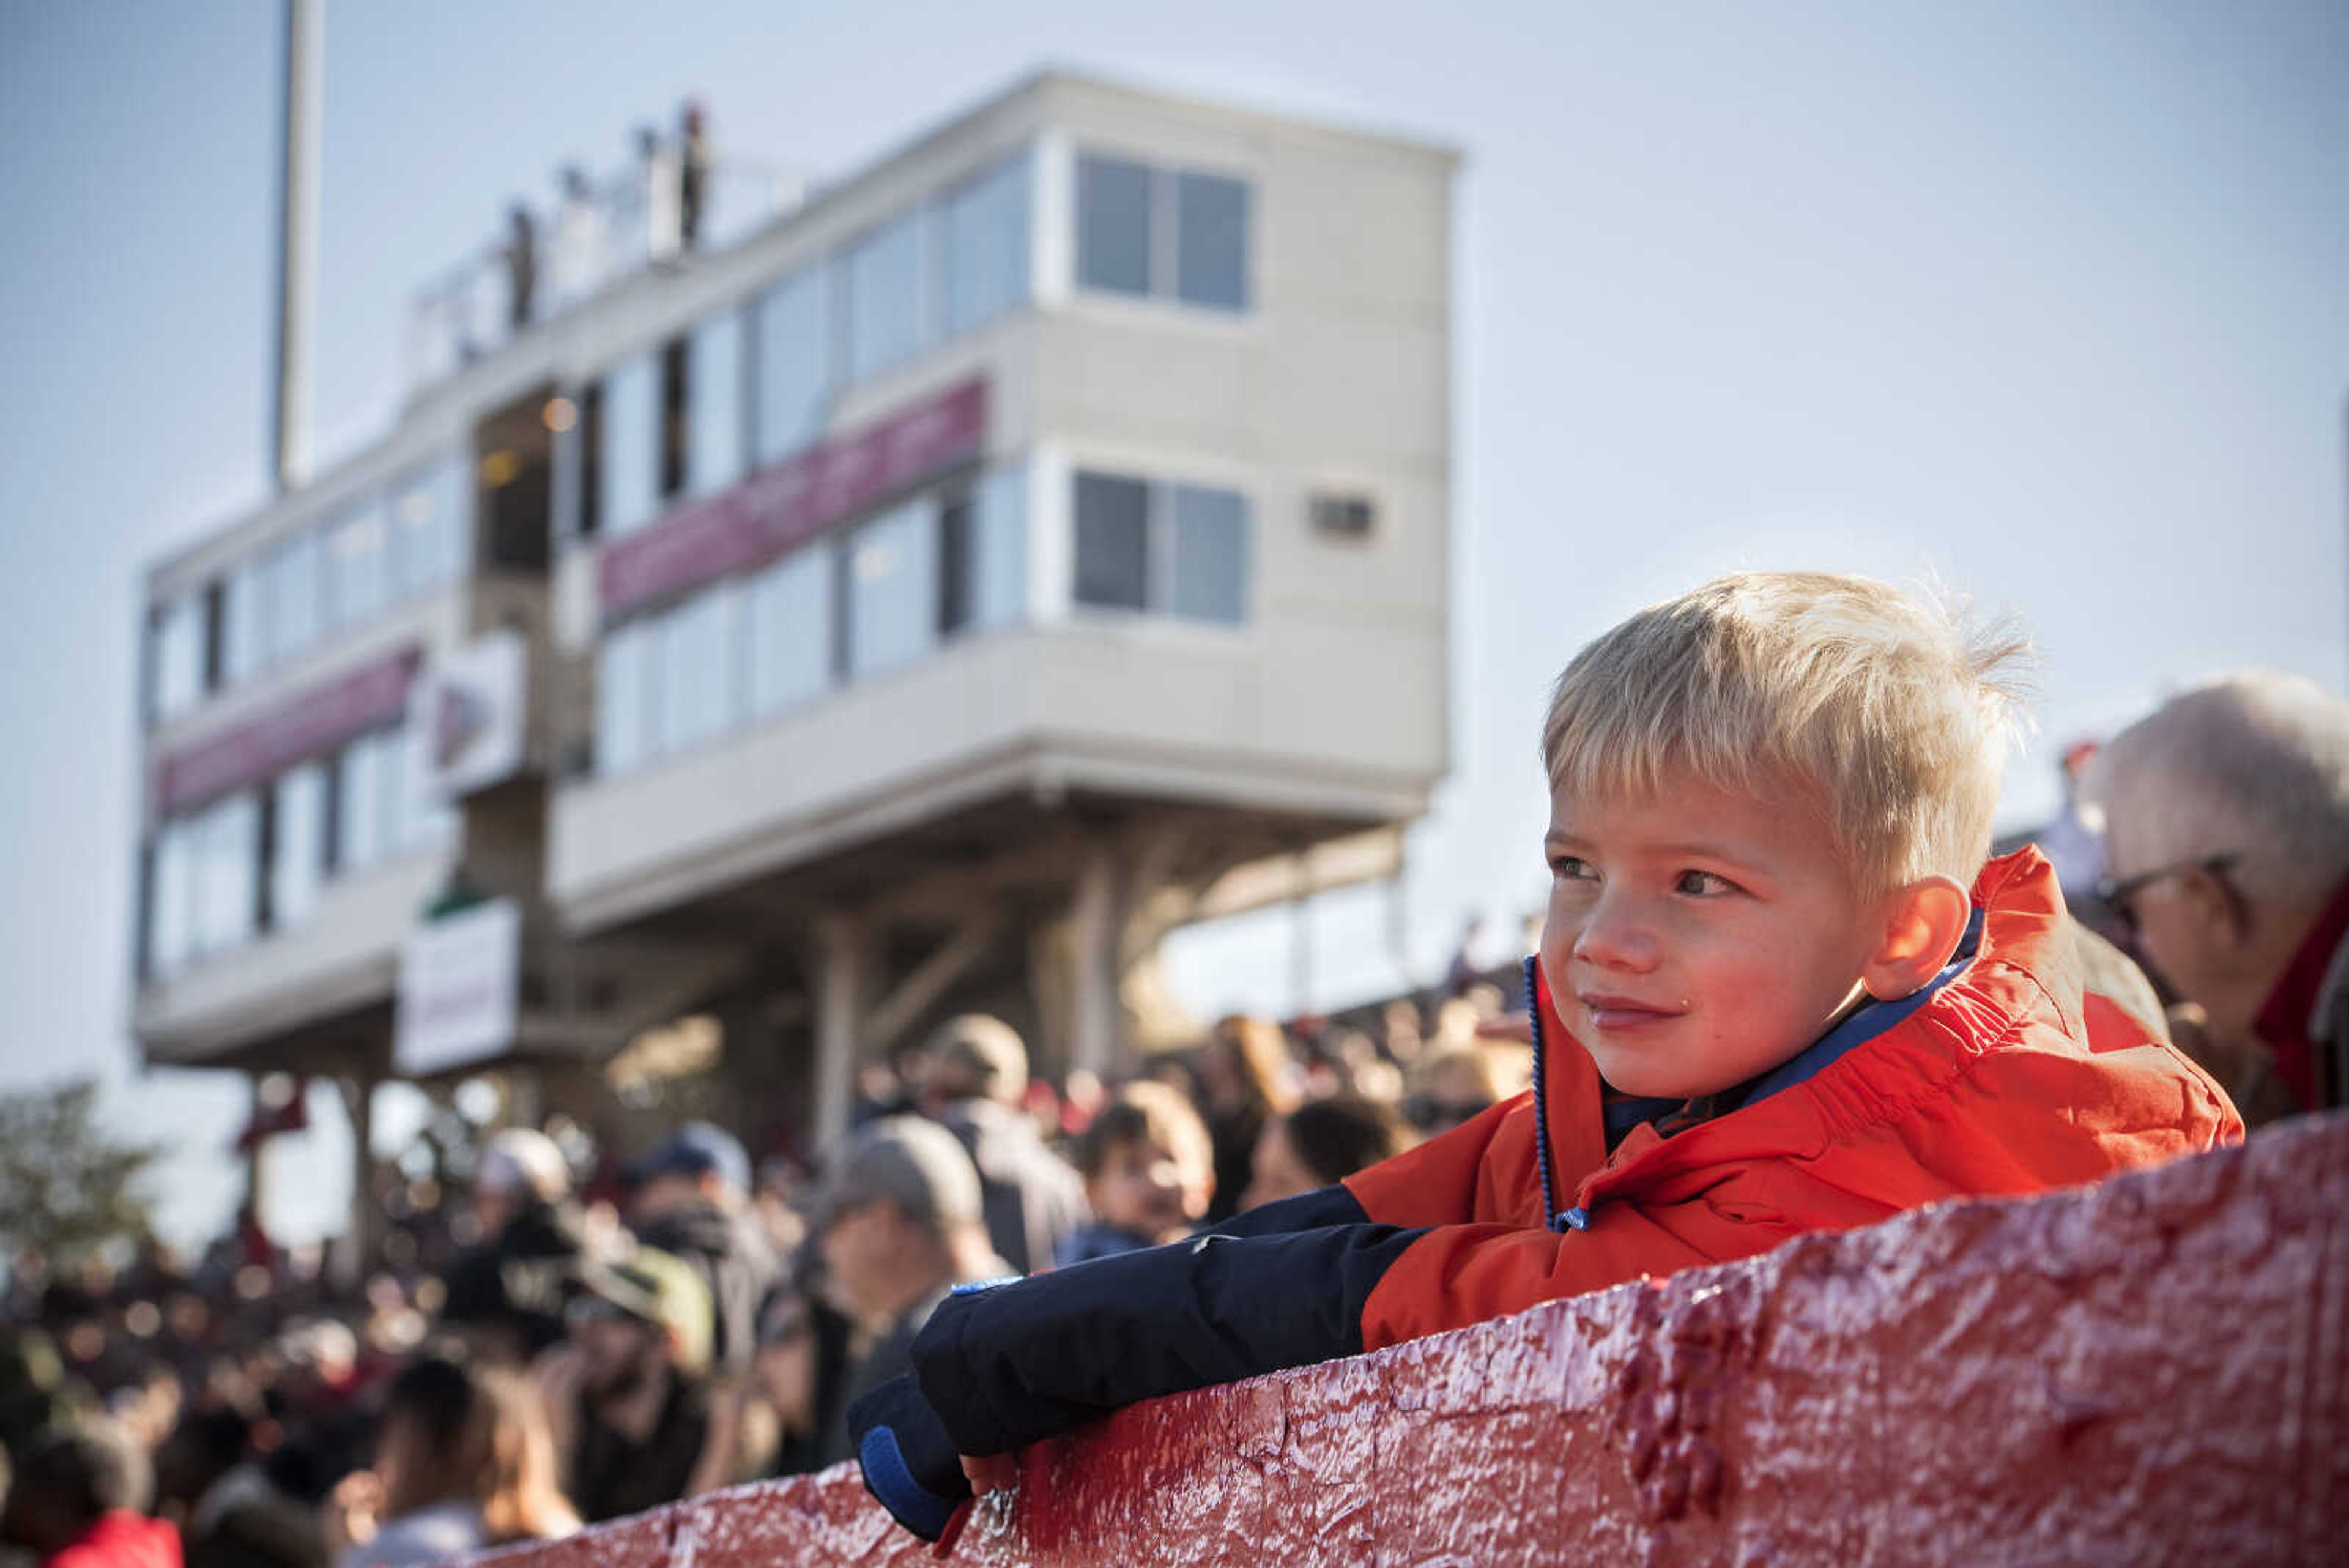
1779, 990
1149, 1170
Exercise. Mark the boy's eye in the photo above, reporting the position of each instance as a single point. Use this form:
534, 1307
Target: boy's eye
1702, 884
1571, 868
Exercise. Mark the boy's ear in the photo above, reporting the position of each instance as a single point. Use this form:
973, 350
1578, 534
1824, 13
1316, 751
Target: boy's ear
1923, 924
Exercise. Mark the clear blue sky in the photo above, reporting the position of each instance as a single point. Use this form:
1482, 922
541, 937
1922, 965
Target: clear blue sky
2052, 302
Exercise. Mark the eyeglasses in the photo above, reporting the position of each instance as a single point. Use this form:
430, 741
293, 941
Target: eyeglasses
2121, 897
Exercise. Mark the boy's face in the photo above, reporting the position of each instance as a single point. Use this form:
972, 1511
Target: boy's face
1697, 937
1143, 1188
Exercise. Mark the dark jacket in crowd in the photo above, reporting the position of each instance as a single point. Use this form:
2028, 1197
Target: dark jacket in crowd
1029, 1196
612, 1475
734, 1260
520, 1280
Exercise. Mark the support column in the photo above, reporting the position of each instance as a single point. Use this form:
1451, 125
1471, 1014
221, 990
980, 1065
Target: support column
256, 1160
357, 1247
839, 997
1099, 1011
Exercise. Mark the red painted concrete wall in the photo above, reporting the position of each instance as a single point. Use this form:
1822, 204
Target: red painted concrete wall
2153, 1371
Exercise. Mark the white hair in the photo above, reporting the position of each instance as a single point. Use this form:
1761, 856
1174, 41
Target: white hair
2254, 764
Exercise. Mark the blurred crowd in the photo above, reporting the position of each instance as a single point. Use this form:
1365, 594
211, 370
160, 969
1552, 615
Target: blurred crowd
563, 1336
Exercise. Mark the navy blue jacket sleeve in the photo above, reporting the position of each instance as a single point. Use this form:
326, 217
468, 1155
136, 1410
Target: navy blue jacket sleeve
1006, 1366
1002, 1365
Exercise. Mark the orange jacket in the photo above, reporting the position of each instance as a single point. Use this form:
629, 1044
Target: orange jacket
2011, 1078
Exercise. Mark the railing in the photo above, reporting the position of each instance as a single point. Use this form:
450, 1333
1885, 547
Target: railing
600, 232
2151, 1371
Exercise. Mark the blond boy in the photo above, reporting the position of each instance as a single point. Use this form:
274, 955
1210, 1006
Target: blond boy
1779, 990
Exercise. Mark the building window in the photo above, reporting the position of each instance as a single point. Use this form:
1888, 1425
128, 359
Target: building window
1162, 232
627, 481
298, 850
244, 623
428, 525
425, 821
697, 668
787, 613
1114, 239
886, 309
294, 577
624, 699
361, 809
674, 428
381, 810
996, 563
177, 649
170, 927
1207, 569
987, 246
1175, 549
225, 853
357, 575
1112, 517
714, 456
1211, 240
795, 365
892, 593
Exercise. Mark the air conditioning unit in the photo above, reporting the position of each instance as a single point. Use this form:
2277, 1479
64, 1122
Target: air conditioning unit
1344, 516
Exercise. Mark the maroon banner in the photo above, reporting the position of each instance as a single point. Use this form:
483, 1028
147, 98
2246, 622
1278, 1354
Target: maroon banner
315, 721
784, 506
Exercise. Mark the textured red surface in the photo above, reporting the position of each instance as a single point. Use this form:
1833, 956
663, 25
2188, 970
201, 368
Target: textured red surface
2152, 1371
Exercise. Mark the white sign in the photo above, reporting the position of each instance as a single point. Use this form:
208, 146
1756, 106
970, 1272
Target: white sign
459, 978
469, 707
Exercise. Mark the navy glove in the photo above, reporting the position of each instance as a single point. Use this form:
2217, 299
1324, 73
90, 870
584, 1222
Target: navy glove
910, 1464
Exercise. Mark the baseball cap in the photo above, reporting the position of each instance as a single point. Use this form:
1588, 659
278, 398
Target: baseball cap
976, 1055
654, 1287
696, 1149
915, 1163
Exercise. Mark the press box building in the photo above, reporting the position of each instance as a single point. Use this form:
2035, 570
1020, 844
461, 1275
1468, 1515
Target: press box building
1026, 545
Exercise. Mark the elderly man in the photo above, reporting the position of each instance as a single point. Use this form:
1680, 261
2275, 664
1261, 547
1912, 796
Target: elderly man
2227, 843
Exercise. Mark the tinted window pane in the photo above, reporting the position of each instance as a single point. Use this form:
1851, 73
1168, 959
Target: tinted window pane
179, 655
793, 370
885, 298
1209, 572
789, 612
998, 548
1113, 225
359, 807
228, 866
714, 404
627, 487
892, 590
428, 526
293, 583
169, 935
1211, 232
987, 247
425, 820
357, 578
299, 853
243, 623
698, 665
1112, 541
622, 697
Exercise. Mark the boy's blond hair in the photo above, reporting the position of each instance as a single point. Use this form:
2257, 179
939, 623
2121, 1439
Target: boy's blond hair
1887, 708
